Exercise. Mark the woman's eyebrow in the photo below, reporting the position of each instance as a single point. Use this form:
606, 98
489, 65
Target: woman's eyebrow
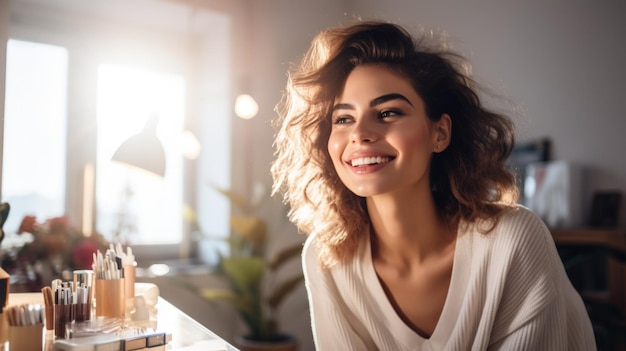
394, 96
343, 106
377, 101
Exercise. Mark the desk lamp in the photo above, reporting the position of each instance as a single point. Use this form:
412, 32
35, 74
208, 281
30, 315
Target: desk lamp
143, 150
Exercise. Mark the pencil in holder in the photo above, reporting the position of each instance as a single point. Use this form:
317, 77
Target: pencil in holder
82, 312
84, 278
25, 330
48, 297
110, 298
49, 317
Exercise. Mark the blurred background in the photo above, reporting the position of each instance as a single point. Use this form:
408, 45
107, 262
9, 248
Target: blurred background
84, 77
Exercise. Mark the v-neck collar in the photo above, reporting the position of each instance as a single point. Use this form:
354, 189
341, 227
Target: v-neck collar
452, 305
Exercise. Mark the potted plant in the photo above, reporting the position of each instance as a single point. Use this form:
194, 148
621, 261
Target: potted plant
254, 288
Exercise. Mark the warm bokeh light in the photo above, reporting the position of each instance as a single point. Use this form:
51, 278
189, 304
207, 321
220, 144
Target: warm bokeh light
159, 269
190, 145
246, 107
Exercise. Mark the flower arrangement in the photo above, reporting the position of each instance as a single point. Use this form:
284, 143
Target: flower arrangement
54, 248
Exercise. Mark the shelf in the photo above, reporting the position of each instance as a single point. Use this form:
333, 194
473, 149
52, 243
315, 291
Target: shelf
611, 238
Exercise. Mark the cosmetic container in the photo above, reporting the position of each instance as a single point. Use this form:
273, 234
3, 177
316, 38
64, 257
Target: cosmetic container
26, 337
110, 298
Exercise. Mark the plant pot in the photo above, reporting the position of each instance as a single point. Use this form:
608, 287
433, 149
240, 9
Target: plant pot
286, 343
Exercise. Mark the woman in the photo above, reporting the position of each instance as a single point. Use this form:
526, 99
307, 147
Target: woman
397, 172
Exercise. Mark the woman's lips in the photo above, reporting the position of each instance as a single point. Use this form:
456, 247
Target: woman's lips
369, 160
368, 164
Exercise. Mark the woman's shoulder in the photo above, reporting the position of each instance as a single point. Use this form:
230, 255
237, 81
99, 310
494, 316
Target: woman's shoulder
520, 217
310, 252
519, 247
354, 268
522, 235
517, 228
520, 221
313, 254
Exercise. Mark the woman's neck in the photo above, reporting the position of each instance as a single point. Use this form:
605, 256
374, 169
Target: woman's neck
407, 229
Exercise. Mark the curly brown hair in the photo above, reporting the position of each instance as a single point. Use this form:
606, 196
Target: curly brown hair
470, 181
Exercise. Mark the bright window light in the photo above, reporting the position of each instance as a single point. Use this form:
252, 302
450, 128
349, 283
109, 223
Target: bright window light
134, 206
34, 161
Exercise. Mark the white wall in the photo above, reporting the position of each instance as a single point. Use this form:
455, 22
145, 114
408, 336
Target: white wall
279, 33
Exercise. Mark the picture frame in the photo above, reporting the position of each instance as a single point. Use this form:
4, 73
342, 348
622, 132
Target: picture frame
605, 207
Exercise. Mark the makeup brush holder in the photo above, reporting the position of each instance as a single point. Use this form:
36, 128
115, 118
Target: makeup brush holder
63, 314
110, 298
28, 337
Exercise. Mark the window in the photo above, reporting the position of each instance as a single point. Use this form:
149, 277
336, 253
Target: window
34, 158
105, 74
135, 206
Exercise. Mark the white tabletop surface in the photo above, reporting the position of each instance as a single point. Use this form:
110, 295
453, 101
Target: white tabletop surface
187, 334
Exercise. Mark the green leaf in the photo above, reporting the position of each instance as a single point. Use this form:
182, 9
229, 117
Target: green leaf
284, 255
189, 214
236, 199
283, 290
252, 229
245, 272
244, 305
218, 294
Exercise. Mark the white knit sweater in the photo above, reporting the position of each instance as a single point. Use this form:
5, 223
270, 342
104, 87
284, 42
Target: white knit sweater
508, 291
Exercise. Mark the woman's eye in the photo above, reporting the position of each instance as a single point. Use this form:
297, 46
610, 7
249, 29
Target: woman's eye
388, 114
341, 120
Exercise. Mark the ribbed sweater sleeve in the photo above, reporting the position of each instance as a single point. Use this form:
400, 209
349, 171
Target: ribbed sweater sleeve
535, 306
333, 325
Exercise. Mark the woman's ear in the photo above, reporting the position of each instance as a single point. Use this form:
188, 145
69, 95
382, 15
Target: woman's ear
442, 132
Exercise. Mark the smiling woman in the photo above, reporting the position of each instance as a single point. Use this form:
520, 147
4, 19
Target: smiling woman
415, 241
379, 117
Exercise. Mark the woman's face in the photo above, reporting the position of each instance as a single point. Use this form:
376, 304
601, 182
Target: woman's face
381, 140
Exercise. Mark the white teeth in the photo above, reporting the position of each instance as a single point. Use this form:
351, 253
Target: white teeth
362, 161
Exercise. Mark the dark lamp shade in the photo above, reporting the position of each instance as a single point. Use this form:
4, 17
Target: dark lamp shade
143, 150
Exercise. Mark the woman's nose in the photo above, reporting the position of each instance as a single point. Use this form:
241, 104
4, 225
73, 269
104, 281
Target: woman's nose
363, 132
